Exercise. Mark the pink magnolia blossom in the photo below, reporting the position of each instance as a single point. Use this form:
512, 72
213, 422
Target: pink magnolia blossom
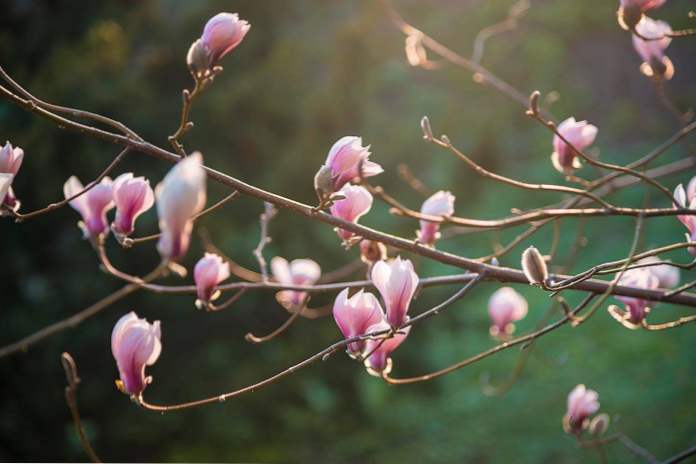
92, 205
439, 204
582, 403
396, 282
10, 162
355, 315
652, 52
580, 135
345, 159
209, 271
135, 343
133, 196
180, 196
687, 199
222, 34
505, 307
667, 276
379, 352
297, 272
357, 203
637, 308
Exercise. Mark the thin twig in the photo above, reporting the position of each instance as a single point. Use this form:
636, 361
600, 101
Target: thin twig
71, 399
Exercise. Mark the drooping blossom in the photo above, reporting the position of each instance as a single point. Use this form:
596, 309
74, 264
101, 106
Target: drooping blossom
355, 315
133, 196
655, 63
582, 403
296, 272
135, 343
397, 282
221, 34
631, 11
439, 204
667, 276
580, 135
92, 205
347, 158
686, 199
180, 196
637, 308
505, 307
10, 162
357, 203
209, 271
379, 361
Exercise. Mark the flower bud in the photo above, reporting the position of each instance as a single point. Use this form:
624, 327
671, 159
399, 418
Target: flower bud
297, 272
356, 203
92, 205
133, 196
580, 135
5, 183
687, 199
135, 344
439, 204
209, 271
355, 315
197, 59
347, 160
582, 403
379, 361
505, 307
323, 183
222, 33
397, 283
534, 266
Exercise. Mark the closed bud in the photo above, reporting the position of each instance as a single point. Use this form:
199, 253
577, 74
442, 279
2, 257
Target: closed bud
425, 127
534, 266
599, 424
323, 183
197, 59
349, 159
208, 273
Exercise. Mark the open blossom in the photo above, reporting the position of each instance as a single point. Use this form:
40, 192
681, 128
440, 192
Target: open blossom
92, 205
180, 196
580, 135
379, 361
296, 272
221, 34
582, 403
132, 196
637, 308
355, 315
439, 204
505, 307
345, 159
209, 271
357, 203
687, 199
10, 162
667, 276
655, 62
135, 343
396, 282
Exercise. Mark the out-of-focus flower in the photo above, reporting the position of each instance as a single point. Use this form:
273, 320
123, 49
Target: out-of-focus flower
372, 251
582, 403
5, 183
132, 196
655, 63
135, 343
534, 266
355, 315
222, 34
687, 199
356, 203
347, 158
580, 135
209, 271
379, 352
297, 272
397, 282
505, 307
631, 11
10, 162
667, 276
439, 204
180, 196
92, 205
637, 308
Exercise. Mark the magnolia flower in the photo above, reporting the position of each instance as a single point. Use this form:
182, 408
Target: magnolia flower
347, 159
209, 271
655, 62
439, 204
92, 205
222, 34
133, 196
637, 308
10, 162
297, 272
5, 183
357, 203
631, 11
505, 307
667, 276
396, 282
378, 361
180, 196
582, 403
580, 135
135, 343
687, 199
355, 315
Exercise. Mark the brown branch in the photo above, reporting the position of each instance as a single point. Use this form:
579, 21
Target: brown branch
71, 399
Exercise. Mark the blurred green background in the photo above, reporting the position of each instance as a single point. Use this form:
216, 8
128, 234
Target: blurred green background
309, 72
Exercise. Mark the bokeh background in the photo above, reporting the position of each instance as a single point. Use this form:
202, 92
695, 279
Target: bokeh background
309, 72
